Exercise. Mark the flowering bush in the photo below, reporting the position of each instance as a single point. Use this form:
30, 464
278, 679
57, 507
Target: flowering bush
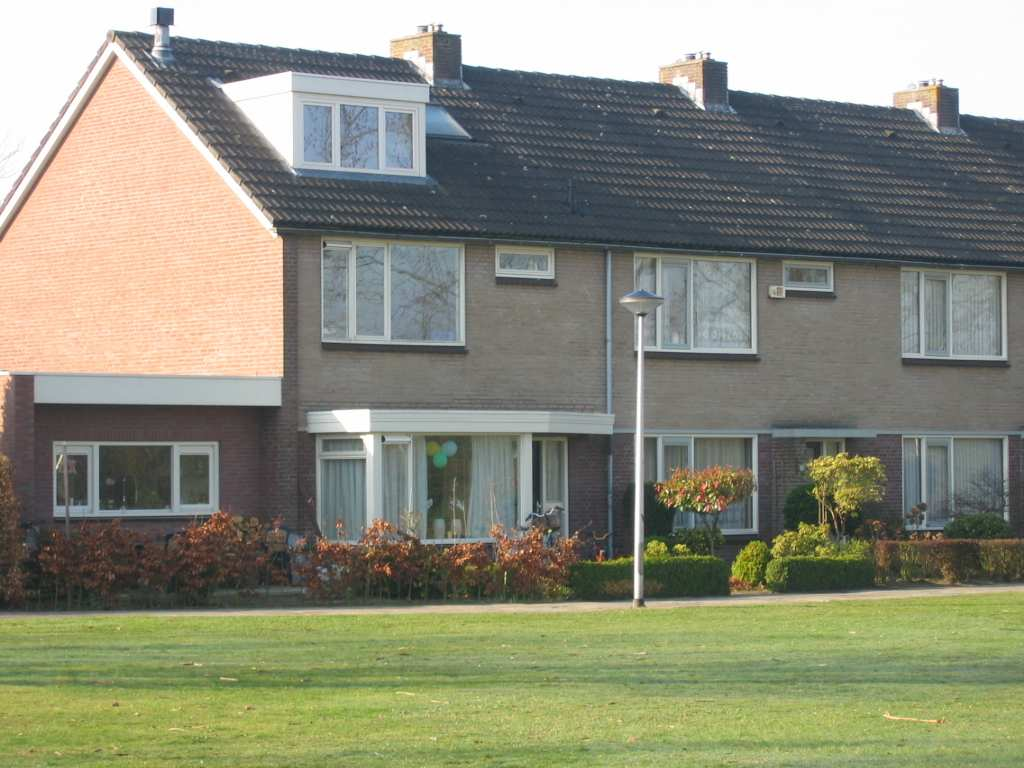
12, 588
708, 492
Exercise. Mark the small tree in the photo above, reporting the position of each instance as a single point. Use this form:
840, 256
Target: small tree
11, 545
843, 484
708, 492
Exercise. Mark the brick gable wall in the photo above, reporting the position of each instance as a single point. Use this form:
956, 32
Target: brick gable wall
131, 255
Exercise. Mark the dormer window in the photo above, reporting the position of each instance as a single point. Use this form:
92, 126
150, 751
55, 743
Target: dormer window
343, 124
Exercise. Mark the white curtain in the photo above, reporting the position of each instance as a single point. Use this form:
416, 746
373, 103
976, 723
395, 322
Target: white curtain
554, 472
343, 497
910, 311
395, 481
978, 473
675, 312
938, 499
646, 278
494, 485
727, 452
721, 297
335, 292
935, 316
911, 473
977, 315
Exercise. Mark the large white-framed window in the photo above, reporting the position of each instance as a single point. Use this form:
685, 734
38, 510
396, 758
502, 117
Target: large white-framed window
360, 136
954, 475
523, 261
383, 292
710, 303
699, 451
808, 276
959, 315
137, 479
442, 487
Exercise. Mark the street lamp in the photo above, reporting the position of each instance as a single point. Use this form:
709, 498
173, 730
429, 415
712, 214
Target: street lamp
641, 303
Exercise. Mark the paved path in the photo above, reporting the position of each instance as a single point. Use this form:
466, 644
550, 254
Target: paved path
896, 593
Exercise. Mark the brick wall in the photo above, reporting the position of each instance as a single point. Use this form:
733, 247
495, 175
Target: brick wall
588, 484
1015, 450
888, 448
132, 255
236, 430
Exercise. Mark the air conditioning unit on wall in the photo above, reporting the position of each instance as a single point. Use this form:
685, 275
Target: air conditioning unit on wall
776, 291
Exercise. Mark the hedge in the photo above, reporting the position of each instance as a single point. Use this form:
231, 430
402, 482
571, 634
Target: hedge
663, 577
950, 560
819, 574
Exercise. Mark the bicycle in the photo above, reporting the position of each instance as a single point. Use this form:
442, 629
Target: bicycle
549, 520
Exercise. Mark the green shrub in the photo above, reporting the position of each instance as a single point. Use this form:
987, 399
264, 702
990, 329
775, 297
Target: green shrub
751, 563
699, 541
656, 548
1002, 559
949, 560
819, 574
663, 577
983, 525
681, 550
800, 507
805, 541
658, 519
12, 586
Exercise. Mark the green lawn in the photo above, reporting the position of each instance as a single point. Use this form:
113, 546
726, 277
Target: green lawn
793, 685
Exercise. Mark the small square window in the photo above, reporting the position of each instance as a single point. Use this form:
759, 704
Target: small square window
807, 276
536, 263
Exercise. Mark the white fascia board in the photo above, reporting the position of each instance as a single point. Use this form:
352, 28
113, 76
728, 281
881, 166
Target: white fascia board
826, 433
326, 85
100, 389
92, 80
367, 420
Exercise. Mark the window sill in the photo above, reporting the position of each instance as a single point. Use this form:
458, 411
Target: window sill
799, 293
738, 357
956, 363
139, 514
358, 346
543, 282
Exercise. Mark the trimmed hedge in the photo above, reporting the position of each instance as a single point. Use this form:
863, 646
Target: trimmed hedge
751, 563
981, 525
663, 577
819, 574
950, 560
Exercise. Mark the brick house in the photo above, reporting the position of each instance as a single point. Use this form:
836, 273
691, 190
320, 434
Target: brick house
340, 288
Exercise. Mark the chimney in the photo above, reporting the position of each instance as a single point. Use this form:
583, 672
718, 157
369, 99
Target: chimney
161, 20
437, 53
937, 104
704, 80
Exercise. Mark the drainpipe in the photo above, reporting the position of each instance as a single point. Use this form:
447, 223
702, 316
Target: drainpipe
608, 387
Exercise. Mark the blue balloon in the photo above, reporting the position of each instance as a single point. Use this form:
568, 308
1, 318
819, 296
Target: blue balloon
450, 448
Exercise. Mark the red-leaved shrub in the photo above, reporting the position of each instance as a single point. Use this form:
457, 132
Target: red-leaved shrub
12, 583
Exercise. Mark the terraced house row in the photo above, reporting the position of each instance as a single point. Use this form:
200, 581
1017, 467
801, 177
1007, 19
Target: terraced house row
340, 287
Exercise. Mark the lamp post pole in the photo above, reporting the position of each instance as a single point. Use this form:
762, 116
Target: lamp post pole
641, 303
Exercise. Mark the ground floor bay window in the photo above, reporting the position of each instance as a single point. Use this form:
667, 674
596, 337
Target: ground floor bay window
441, 487
952, 476
134, 479
666, 453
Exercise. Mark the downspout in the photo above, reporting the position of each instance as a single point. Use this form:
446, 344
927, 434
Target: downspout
608, 388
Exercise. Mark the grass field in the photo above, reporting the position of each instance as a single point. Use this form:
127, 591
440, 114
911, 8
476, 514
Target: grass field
793, 685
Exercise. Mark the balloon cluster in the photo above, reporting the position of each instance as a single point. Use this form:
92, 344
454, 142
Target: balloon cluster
439, 453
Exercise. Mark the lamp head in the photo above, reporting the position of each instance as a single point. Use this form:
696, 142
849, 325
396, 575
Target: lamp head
641, 302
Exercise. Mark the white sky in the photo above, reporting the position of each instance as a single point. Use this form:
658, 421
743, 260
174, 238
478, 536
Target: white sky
847, 51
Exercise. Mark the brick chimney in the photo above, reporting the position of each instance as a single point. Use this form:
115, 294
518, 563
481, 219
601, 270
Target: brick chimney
437, 53
704, 80
937, 104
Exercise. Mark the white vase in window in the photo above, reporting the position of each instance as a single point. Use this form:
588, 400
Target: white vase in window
438, 528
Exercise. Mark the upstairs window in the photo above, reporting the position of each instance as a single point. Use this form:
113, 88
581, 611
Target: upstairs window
710, 304
537, 263
378, 292
359, 137
807, 276
956, 315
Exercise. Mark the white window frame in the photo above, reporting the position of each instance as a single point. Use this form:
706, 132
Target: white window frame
660, 258
564, 490
92, 449
951, 440
418, 113
948, 276
797, 286
353, 337
689, 439
74, 449
547, 274
373, 455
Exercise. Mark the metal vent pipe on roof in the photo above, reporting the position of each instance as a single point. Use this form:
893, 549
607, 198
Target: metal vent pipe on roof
161, 19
